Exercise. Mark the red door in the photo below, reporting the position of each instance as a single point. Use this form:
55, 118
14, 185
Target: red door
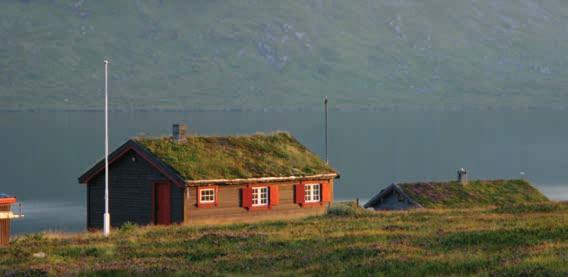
162, 206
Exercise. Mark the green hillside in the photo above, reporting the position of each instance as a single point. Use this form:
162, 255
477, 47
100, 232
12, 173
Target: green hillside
284, 54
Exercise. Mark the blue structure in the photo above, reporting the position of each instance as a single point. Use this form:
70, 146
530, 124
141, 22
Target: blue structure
392, 198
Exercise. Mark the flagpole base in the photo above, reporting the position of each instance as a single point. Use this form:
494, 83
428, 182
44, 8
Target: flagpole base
106, 227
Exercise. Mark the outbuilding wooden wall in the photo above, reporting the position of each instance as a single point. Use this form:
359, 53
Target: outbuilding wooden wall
393, 201
131, 186
4, 227
229, 208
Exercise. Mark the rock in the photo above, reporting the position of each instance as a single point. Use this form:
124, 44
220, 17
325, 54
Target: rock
39, 255
267, 51
287, 27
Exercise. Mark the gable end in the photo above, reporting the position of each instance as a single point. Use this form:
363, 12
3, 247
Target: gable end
387, 192
131, 145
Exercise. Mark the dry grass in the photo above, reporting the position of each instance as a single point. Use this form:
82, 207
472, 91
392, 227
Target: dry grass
347, 241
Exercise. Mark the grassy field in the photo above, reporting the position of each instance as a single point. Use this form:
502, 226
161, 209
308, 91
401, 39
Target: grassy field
510, 240
284, 54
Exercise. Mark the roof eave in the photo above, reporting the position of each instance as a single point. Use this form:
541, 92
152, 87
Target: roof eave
261, 179
8, 200
408, 196
378, 196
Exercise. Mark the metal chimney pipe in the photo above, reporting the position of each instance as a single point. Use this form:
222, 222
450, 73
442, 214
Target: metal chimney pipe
462, 176
325, 112
179, 131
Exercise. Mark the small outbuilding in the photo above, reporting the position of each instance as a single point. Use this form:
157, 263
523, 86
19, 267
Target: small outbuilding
209, 179
455, 194
6, 215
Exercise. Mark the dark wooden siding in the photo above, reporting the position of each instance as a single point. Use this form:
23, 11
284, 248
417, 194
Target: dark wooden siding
394, 201
229, 209
131, 186
4, 226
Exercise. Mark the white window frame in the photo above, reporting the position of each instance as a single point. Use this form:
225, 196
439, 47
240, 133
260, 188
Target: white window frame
310, 195
206, 201
257, 202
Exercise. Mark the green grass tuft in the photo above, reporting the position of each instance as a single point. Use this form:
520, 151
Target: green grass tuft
349, 209
524, 208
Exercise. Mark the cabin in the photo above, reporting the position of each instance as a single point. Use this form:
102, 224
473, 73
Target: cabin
6, 215
455, 194
190, 179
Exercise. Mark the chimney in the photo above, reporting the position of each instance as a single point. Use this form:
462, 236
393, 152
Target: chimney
178, 132
462, 176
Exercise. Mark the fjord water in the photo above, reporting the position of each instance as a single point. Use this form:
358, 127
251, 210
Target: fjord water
43, 153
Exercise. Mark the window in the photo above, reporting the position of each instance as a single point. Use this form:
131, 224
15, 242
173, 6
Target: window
312, 193
260, 196
207, 196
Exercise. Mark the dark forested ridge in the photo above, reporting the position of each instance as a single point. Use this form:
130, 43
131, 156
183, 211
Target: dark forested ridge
284, 54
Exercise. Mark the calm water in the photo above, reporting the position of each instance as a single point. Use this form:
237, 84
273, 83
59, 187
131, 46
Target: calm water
42, 154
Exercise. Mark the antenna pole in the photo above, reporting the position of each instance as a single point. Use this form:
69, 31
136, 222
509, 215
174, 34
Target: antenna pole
325, 112
106, 218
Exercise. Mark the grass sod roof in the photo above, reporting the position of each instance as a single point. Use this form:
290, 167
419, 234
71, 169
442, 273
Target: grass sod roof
233, 157
474, 194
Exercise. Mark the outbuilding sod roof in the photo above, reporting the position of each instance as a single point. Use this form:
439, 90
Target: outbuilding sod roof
232, 157
474, 194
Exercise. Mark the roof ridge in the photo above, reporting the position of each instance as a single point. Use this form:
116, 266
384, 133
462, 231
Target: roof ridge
265, 134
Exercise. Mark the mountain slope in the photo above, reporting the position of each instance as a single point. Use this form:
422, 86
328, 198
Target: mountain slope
284, 54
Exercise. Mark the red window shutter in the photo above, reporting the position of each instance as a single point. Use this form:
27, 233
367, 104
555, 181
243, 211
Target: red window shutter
299, 193
274, 196
247, 197
325, 192
216, 196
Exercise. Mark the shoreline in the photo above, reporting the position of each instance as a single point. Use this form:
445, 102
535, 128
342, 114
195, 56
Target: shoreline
291, 109
62, 233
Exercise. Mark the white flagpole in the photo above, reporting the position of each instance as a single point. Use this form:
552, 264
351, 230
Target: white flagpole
106, 218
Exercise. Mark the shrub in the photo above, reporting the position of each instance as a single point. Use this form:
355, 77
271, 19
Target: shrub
347, 209
127, 228
88, 251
